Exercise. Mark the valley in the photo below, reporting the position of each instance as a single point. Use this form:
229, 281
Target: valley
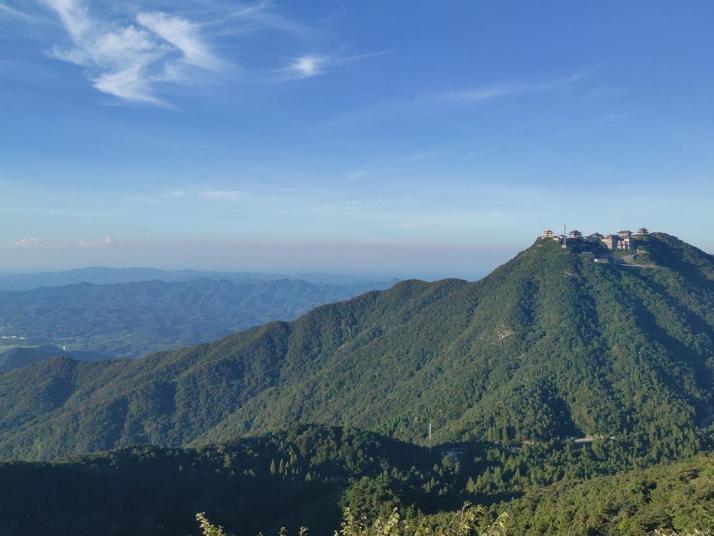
131, 319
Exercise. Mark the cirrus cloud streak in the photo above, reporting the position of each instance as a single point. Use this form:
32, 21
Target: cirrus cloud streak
27, 242
309, 65
130, 59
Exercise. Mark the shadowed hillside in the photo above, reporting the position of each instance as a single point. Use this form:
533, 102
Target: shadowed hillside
305, 476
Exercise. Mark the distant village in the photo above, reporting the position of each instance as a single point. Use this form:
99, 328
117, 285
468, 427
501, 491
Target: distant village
623, 240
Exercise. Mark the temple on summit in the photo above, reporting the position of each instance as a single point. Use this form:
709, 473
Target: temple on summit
622, 240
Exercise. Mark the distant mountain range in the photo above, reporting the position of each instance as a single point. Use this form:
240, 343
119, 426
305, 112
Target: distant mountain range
132, 319
99, 275
549, 346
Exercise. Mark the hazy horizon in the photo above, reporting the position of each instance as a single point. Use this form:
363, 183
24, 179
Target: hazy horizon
466, 263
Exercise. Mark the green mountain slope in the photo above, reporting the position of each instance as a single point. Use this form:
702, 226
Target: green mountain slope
549, 345
132, 319
304, 476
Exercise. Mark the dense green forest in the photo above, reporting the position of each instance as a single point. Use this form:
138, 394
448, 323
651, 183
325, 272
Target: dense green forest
134, 318
308, 475
549, 346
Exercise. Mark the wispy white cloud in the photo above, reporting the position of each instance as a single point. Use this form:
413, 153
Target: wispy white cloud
258, 16
105, 242
306, 66
10, 11
484, 94
129, 59
222, 195
422, 156
309, 65
135, 51
27, 242
182, 34
356, 174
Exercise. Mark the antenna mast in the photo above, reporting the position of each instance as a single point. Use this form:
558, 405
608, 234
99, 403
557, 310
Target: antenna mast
565, 237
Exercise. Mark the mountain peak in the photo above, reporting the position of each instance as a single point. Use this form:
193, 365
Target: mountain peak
581, 341
636, 249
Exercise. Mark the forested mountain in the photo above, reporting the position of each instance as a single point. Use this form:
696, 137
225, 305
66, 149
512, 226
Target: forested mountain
20, 357
550, 345
132, 319
305, 476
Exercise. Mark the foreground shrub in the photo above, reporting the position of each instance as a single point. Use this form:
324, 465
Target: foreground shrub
469, 521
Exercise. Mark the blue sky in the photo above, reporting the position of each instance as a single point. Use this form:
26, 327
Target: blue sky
408, 138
